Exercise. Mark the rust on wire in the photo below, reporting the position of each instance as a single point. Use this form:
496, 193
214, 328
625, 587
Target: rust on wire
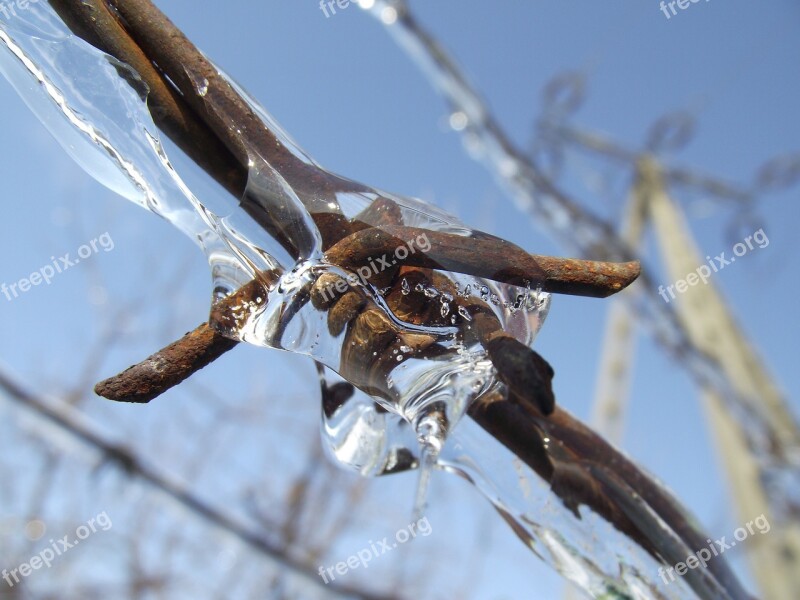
171, 365
166, 368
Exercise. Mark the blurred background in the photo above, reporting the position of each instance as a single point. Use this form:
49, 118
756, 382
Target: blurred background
710, 92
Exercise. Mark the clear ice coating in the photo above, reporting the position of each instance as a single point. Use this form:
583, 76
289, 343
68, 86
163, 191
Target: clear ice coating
404, 335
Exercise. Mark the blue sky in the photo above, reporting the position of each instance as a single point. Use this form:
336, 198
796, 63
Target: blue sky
350, 97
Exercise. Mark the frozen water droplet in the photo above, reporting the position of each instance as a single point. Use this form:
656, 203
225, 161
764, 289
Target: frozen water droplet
462, 310
459, 121
431, 292
389, 15
200, 83
404, 287
445, 309
406, 349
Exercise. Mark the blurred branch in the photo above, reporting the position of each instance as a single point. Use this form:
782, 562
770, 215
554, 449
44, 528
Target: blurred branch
71, 422
598, 144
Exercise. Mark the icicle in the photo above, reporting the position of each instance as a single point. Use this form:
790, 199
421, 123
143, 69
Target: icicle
432, 436
428, 458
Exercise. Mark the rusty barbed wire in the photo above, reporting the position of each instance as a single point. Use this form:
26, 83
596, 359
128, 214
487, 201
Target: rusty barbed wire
350, 243
526, 422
